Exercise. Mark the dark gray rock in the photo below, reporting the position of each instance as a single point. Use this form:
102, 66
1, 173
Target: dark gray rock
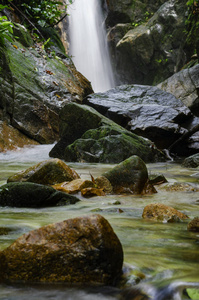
191, 161
86, 135
35, 85
28, 194
147, 111
152, 50
184, 85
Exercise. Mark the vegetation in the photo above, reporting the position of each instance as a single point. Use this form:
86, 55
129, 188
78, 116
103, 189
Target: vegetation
41, 12
6, 27
192, 28
34, 14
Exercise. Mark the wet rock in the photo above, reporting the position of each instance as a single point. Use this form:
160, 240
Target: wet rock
88, 136
73, 186
180, 187
184, 85
103, 183
11, 138
50, 172
194, 225
152, 50
35, 85
83, 251
148, 112
129, 176
161, 212
157, 179
191, 161
28, 194
92, 192
120, 11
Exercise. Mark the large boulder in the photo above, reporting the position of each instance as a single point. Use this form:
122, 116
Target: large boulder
152, 50
148, 111
82, 251
129, 176
184, 85
35, 85
28, 194
50, 172
88, 136
161, 212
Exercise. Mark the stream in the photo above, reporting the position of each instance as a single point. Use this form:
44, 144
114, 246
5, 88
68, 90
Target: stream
166, 253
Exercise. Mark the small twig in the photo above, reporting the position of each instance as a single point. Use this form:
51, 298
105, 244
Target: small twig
60, 20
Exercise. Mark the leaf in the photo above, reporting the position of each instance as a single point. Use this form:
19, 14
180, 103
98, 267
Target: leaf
15, 46
193, 293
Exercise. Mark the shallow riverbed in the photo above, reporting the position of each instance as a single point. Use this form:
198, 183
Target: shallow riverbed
163, 252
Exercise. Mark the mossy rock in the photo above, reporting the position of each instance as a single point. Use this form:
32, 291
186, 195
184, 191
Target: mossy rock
86, 135
50, 172
130, 174
28, 194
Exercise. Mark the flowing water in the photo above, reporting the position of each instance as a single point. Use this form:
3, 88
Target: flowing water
88, 45
166, 253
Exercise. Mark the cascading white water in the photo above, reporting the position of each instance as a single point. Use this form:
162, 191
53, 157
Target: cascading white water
88, 45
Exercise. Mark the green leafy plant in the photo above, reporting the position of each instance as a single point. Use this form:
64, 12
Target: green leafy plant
192, 26
41, 12
6, 27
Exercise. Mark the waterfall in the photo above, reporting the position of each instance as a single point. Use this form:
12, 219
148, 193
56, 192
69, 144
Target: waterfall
88, 45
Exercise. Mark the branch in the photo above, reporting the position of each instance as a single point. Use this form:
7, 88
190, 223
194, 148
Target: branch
185, 136
60, 20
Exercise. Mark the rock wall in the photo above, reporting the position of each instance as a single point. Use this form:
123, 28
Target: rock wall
35, 83
146, 39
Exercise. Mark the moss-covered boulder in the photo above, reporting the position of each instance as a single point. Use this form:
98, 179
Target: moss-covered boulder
149, 112
77, 251
164, 213
130, 176
35, 83
28, 194
50, 172
88, 136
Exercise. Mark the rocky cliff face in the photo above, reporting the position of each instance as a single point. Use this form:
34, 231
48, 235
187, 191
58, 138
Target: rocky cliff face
146, 39
35, 84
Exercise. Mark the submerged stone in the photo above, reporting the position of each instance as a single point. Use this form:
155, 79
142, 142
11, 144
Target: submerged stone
28, 194
194, 225
83, 250
161, 212
50, 172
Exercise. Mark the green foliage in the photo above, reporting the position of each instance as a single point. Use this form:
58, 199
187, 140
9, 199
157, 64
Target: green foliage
192, 25
6, 28
41, 12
